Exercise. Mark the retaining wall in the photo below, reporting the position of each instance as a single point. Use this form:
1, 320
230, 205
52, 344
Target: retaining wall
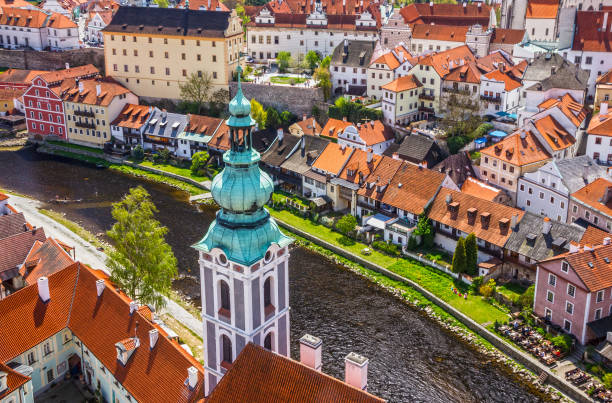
297, 100
44, 60
522, 357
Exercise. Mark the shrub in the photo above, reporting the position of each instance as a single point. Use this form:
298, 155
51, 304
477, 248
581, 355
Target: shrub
138, 153
607, 380
563, 342
456, 143
346, 224
471, 254
459, 258
425, 230
388, 248
199, 161
477, 283
526, 300
488, 289
412, 243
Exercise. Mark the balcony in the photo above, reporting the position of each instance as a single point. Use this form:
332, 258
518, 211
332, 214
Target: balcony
426, 109
87, 114
456, 91
494, 100
85, 125
428, 97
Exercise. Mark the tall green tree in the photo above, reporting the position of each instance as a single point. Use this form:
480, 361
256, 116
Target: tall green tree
273, 119
200, 163
312, 59
259, 114
197, 89
283, 59
471, 254
346, 224
323, 79
326, 62
142, 264
459, 258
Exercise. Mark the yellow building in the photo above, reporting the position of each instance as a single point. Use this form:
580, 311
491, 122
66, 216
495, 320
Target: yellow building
603, 89
90, 107
400, 102
7, 99
153, 50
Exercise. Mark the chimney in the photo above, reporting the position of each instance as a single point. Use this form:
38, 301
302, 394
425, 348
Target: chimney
310, 351
67, 66
606, 240
304, 117
356, 371
523, 134
485, 218
303, 145
133, 307
370, 154
43, 289
99, 287
344, 118
280, 134
209, 5
514, 221
546, 225
604, 26
98, 89
153, 336
603, 108
81, 87
574, 248
314, 126
395, 156
192, 377
607, 195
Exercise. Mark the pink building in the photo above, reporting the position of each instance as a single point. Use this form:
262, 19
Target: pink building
574, 291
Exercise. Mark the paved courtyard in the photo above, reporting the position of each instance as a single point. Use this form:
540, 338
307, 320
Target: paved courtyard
65, 392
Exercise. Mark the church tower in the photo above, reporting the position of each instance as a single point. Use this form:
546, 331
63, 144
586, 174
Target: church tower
243, 257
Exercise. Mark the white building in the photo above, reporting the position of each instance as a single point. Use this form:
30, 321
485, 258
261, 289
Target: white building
372, 135
349, 67
499, 92
386, 66
400, 102
95, 23
436, 38
599, 136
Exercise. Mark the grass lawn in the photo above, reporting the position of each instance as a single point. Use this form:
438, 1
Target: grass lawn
434, 281
439, 256
186, 172
186, 336
187, 187
287, 80
511, 290
72, 226
76, 146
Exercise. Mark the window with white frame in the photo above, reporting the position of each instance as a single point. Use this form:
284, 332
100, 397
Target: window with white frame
598, 313
600, 296
569, 307
564, 267
31, 358
567, 325
548, 314
571, 290
552, 279
550, 296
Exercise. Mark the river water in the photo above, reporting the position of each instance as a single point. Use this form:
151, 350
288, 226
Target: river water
411, 358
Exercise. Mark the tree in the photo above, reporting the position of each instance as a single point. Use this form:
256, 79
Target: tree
259, 114
346, 224
459, 258
312, 59
487, 290
138, 153
161, 3
471, 254
323, 79
200, 163
525, 300
273, 119
196, 89
283, 59
286, 117
425, 230
142, 264
326, 62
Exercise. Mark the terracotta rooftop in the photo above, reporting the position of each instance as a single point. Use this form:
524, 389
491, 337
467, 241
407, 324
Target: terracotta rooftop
358, 167
109, 90
507, 36
18, 76
474, 187
605, 78
412, 188
60, 21
403, 83
74, 304
32, 18
13, 224
200, 124
132, 116
588, 33
509, 83
221, 138
601, 124
333, 127
489, 221
593, 236
333, 158
44, 259
309, 126
446, 14
542, 9
443, 62
15, 248
56, 77
331, 7
574, 110
592, 264
393, 58
449, 33
374, 132
468, 73
14, 380
594, 194
554, 134
259, 376
204, 5
376, 183
516, 150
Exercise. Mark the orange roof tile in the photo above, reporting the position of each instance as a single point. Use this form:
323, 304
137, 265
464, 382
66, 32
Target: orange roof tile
60, 21
14, 380
412, 188
204, 4
474, 187
594, 236
3, 196
489, 221
357, 168
605, 78
333, 127
200, 124
109, 89
510, 84
333, 158
15, 248
375, 184
221, 138
259, 376
21, 17
44, 259
507, 36
450, 33
448, 14
588, 33
74, 304
403, 83
468, 73
516, 150
374, 132
593, 193
132, 116
444, 62
544, 9
554, 134
594, 267
574, 110
57, 77
310, 126
18, 76
601, 124
10, 94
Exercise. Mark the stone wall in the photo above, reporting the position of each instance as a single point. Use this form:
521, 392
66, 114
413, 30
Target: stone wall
297, 100
33, 60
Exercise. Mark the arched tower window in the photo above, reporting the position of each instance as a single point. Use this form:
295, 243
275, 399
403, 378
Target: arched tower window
226, 350
224, 292
267, 291
268, 341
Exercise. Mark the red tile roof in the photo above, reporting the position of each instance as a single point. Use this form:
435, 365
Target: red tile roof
333, 127
594, 267
333, 158
132, 116
56, 77
149, 374
601, 124
12, 224
199, 124
377, 182
403, 83
412, 188
474, 187
357, 167
554, 134
496, 228
204, 4
509, 83
109, 90
450, 33
14, 380
574, 110
593, 194
3, 196
44, 259
444, 62
544, 9
18, 76
309, 127
15, 248
588, 33
594, 236
221, 138
446, 14
259, 376
605, 78
468, 73
507, 36
516, 150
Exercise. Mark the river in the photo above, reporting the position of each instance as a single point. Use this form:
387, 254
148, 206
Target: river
411, 358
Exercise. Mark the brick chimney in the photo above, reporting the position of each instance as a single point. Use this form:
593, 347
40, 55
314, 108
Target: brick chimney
356, 371
453, 208
310, 351
485, 219
472, 212
43, 289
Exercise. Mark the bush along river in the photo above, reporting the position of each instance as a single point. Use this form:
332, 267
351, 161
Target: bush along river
412, 358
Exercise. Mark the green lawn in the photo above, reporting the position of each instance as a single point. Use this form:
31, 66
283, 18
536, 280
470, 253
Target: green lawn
432, 280
287, 80
186, 172
187, 187
511, 290
76, 146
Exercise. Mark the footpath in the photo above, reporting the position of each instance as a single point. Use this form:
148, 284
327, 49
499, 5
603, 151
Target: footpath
88, 254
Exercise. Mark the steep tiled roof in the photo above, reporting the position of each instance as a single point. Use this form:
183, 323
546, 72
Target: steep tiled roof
458, 167
589, 35
132, 116
12, 224
377, 182
444, 62
109, 89
52, 77
14, 380
449, 33
509, 83
202, 124
554, 134
204, 4
24, 18
221, 138
8, 94
516, 150
412, 188
259, 376
393, 58
574, 110
497, 218
403, 83
15, 248
468, 73
44, 259
333, 127
74, 304
375, 132
594, 267
593, 194
280, 150
448, 14
417, 149
593, 236
545, 9
358, 55
601, 124
18, 76
474, 187
309, 126
333, 158
507, 36
60, 21
358, 167
331, 7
